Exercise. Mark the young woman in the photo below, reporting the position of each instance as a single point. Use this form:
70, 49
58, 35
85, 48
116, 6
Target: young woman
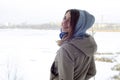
75, 58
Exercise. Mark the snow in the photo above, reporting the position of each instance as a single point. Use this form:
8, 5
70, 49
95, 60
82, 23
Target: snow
27, 54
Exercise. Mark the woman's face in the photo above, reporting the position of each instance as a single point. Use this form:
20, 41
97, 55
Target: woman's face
66, 22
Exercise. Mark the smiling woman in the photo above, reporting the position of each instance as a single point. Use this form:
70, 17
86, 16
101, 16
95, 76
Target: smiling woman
75, 57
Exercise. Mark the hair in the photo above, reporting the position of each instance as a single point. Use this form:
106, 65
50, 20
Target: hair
74, 18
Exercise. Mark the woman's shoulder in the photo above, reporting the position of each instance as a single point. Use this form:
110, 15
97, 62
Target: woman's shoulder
66, 45
69, 48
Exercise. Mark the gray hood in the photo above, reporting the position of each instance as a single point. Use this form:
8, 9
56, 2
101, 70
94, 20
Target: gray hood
86, 45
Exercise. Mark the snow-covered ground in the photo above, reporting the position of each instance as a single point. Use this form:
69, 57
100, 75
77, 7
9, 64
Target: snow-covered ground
27, 54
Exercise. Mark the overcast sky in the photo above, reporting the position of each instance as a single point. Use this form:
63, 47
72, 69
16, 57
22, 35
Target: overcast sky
45, 11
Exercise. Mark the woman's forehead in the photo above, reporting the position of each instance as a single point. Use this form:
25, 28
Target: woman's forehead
68, 15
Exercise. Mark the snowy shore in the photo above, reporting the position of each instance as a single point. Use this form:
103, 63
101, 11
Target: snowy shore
27, 54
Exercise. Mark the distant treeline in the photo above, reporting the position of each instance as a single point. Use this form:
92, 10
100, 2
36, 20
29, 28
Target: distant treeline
48, 26
54, 26
106, 27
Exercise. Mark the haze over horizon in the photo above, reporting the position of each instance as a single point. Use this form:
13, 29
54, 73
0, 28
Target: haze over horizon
45, 11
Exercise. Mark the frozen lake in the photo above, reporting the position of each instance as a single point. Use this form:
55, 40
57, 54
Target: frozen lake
27, 54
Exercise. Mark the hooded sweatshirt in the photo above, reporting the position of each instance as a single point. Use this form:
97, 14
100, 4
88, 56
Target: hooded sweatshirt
75, 58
